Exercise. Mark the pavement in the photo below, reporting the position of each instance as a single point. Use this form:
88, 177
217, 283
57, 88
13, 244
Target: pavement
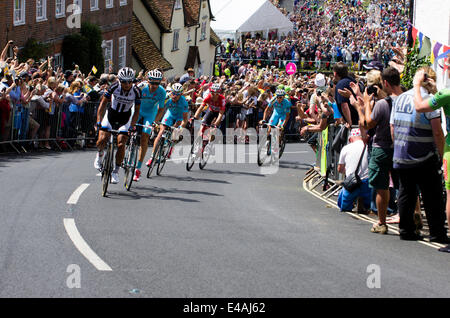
227, 231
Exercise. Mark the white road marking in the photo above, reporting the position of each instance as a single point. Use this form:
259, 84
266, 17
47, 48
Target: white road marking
77, 193
83, 247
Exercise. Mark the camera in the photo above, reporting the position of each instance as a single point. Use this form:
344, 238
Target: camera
372, 89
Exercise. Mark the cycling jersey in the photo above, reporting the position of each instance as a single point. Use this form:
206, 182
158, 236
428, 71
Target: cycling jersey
150, 103
122, 101
215, 106
282, 108
175, 111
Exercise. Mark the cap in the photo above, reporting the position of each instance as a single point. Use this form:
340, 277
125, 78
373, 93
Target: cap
374, 65
355, 132
320, 80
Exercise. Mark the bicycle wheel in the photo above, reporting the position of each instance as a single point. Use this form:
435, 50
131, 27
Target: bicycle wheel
193, 153
107, 169
165, 149
130, 164
206, 153
263, 150
282, 143
155, 157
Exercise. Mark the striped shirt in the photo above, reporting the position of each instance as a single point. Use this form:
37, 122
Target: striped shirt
413, 135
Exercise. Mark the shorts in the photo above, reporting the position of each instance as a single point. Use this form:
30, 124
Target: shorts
209, 117
120, 121
276, 119
446, 161
147, 120
169, 119
380, 165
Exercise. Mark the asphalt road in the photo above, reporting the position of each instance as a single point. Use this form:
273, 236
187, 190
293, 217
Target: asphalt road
227, 231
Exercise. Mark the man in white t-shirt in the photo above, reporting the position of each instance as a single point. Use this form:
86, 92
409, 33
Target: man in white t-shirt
348, 162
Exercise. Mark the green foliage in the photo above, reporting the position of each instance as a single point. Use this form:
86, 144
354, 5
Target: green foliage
84, 49
34, 50
411, 66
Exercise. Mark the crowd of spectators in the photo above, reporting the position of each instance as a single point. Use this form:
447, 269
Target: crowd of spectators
326, 32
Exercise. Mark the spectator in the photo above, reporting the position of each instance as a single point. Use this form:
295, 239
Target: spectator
350, 156
342, 82
418, 143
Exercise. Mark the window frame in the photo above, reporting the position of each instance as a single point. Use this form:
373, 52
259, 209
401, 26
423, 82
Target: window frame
176, 40
178, 5
43, 8
22, 11
107, 42
62, 5
95, 7
124, 57
109, 4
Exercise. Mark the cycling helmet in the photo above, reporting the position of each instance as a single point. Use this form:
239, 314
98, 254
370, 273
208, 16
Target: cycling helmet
177, 89
154, 75
215, 88
280, 92
126, 74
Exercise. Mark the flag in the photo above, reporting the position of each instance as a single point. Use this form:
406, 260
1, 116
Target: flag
446, 52
425, 48
436, 49
420, 40
414, 35
94, 69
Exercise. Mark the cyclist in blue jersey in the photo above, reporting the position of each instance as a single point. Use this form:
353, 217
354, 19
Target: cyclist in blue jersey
176, 114
281, 110
152, 99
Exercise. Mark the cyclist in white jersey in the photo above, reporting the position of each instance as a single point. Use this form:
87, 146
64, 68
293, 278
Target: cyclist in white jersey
122, 96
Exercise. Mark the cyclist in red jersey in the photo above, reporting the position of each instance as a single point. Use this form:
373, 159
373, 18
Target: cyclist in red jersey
216, 108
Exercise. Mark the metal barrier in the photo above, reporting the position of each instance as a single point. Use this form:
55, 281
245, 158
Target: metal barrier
40, 124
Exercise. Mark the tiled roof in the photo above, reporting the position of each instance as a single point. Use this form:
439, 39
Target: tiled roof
161, 10
145, 49
214, 38
191, 12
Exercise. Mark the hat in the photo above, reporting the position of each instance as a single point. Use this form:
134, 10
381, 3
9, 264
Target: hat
374, 65
198, 101
67, 74
320, 80
355, 132
190, 70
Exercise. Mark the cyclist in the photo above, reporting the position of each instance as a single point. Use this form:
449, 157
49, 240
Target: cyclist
281, 110
153, 97
176, 114
121, 96
216, 108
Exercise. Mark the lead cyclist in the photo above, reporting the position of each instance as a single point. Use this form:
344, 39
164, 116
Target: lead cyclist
118, 102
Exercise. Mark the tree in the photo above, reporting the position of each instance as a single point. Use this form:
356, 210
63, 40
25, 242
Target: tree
34, 50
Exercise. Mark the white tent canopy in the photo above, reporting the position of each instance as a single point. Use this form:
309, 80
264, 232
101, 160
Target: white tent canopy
234, 17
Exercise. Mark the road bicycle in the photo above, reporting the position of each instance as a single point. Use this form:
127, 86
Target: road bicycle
108, 160
265, 150
202, 149
162, 151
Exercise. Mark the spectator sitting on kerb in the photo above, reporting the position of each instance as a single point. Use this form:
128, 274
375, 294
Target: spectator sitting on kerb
348, 162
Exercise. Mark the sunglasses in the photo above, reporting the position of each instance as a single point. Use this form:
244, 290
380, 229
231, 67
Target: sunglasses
154, 83
126, 82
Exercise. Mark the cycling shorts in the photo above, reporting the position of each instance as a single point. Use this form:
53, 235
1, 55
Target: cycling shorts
169, 119
446, 161
120, 121
276, 119
147, 120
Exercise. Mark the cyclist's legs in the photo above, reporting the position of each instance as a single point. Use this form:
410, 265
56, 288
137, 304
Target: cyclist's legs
148, 120
121, 144
103, 137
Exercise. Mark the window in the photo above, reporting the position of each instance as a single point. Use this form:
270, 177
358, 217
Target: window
60, 8
177, 4
78, 3
123, 2
108, 54
176, 36
41, 10
188, 35
58, 60
203, 35
94, 5
19, 12
109, 3
122, 52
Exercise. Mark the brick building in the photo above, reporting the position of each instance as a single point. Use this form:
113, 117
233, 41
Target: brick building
47, 22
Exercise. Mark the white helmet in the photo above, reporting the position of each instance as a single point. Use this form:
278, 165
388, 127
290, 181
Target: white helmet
215, 88
177, 89
126, 74
280, 92
154, 75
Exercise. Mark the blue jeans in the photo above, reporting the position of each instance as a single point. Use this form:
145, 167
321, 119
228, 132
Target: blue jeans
346, 199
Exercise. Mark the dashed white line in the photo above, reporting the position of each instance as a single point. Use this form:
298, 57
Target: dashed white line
77, 193
83, 247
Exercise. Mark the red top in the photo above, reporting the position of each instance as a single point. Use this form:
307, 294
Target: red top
215, 106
